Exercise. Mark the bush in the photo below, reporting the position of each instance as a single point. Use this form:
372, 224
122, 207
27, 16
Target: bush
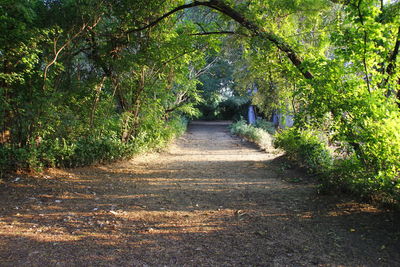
265, 125
5, 159
307, 148
370, 173
252, 134
372, 170
86, 150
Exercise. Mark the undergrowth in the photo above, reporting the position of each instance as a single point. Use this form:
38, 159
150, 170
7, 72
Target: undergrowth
260, 133
86, 150
340, 172
307, 148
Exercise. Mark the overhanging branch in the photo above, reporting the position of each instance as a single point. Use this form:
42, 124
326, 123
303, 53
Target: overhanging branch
219, 32
166, 15
225, 9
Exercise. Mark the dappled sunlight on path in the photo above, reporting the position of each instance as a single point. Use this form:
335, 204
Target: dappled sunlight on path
209, 200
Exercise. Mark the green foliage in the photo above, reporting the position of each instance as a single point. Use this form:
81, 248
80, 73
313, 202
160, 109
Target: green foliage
80, 83
353, 96
76, 88
372, 168
232, 108
265, 125
87, 150
220, 100
306, 147
253, 134
370, 173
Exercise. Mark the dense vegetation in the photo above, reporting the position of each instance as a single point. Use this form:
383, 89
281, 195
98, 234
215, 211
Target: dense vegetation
80, 85
260, 133
220, 99
85, 81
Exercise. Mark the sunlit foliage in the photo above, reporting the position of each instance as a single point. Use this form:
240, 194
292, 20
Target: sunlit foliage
86, 81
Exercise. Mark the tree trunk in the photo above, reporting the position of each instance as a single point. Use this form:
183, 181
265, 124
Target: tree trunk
95, 101
130, 130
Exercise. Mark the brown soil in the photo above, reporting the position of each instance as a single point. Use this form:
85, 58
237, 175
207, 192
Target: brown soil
210, 200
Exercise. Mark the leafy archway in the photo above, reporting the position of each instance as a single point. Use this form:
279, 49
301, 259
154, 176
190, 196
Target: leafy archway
86, 81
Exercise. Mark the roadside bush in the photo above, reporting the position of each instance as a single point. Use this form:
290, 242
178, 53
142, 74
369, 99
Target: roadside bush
5, 157
265, 125
371, 173
372, 170
307, 148
256, 135
86, 150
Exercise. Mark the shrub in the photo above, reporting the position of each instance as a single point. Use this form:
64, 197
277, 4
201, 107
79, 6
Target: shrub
307, 148
265, 125
5, 159
252, 134
86, 150
372, 170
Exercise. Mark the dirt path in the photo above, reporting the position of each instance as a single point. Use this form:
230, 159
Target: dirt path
210, 200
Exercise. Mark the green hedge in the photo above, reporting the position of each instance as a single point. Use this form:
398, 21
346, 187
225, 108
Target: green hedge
307, 148
86, 150
343, 171
252, 134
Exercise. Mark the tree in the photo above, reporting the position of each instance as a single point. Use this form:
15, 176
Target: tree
118, 75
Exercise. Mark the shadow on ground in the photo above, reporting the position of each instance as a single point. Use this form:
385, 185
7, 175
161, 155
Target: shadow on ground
216, 203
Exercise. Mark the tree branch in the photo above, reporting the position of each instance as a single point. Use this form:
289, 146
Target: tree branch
392, 59
270, 36
365, 37
218, 32
166, 15
342, 2
225, 9
391, 67
57, 52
